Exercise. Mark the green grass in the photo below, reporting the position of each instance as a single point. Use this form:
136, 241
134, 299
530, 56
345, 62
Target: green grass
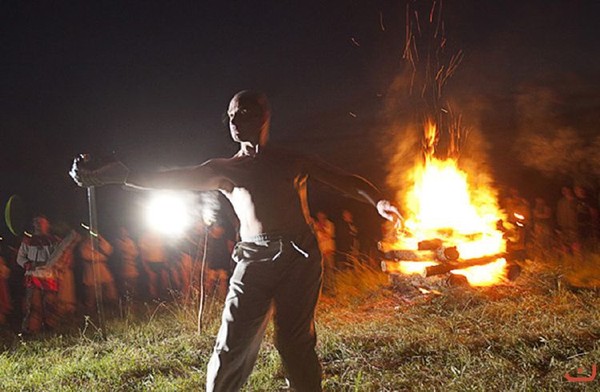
373, 336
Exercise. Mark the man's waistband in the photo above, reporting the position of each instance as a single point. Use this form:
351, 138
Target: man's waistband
270, 237
263, 237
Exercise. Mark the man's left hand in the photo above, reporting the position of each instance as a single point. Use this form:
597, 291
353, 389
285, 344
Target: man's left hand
389, 212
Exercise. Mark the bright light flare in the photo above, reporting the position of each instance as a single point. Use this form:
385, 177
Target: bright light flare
169, 212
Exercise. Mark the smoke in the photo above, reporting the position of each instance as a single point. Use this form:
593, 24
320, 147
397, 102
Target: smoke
460, 138
474, 160
404, 152
551, 142
537, 108
418, 96
561, 152
401, 142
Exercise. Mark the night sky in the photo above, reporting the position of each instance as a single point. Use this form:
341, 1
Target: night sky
150, 80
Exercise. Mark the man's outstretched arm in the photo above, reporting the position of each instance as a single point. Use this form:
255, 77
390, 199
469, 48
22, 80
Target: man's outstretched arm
196, 178
352, 186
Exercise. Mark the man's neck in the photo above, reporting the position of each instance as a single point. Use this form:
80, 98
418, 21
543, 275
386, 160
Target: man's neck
249, 149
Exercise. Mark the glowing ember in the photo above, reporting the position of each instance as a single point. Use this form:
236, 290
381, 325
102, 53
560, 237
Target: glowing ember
441, 204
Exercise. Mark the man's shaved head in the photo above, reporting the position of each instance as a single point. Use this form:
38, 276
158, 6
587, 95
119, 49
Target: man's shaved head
249, 116
254, 97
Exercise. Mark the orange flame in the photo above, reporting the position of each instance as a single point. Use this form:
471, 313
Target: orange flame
484, 275
414, 267
442, 204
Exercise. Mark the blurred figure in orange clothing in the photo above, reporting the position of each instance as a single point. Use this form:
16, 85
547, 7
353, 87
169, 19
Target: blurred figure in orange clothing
96, 271
154, 261
218, 261
128, 252
5, 300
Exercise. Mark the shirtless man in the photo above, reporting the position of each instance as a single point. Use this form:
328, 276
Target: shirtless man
278, 265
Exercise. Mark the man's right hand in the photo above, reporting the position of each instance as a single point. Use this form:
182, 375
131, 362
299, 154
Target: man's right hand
112, 173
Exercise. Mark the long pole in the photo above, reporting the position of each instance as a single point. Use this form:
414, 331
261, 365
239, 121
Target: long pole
202, 270
93, 217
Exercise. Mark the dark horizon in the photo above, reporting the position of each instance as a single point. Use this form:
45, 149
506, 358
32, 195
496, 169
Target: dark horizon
150, 82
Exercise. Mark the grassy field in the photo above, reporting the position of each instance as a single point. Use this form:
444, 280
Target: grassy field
373, 336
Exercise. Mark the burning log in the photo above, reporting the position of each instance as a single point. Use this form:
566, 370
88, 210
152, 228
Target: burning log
428, 268
445, 268
439, 253
429, 254
442, 253
430, 244
406, 267
410, 255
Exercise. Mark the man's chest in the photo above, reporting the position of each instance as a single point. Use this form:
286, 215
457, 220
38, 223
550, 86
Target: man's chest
257, 174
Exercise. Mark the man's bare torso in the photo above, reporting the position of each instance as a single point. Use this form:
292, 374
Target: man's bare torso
263, 192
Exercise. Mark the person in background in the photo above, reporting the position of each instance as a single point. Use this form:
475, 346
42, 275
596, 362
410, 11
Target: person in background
127, 252
346, 240
191, 248
587, 215
5, 299
96, 274
63, 267
518, 213
325, 231
41, 283
67, 297
155, 263
566, 219
542, 227
175, 280
218, 261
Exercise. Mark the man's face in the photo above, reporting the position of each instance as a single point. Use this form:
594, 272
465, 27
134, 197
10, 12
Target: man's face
246, 119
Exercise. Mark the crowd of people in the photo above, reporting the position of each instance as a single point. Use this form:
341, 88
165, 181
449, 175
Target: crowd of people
54, 276
541, 231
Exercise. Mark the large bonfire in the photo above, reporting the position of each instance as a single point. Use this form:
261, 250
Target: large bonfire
450, 225
442, 209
